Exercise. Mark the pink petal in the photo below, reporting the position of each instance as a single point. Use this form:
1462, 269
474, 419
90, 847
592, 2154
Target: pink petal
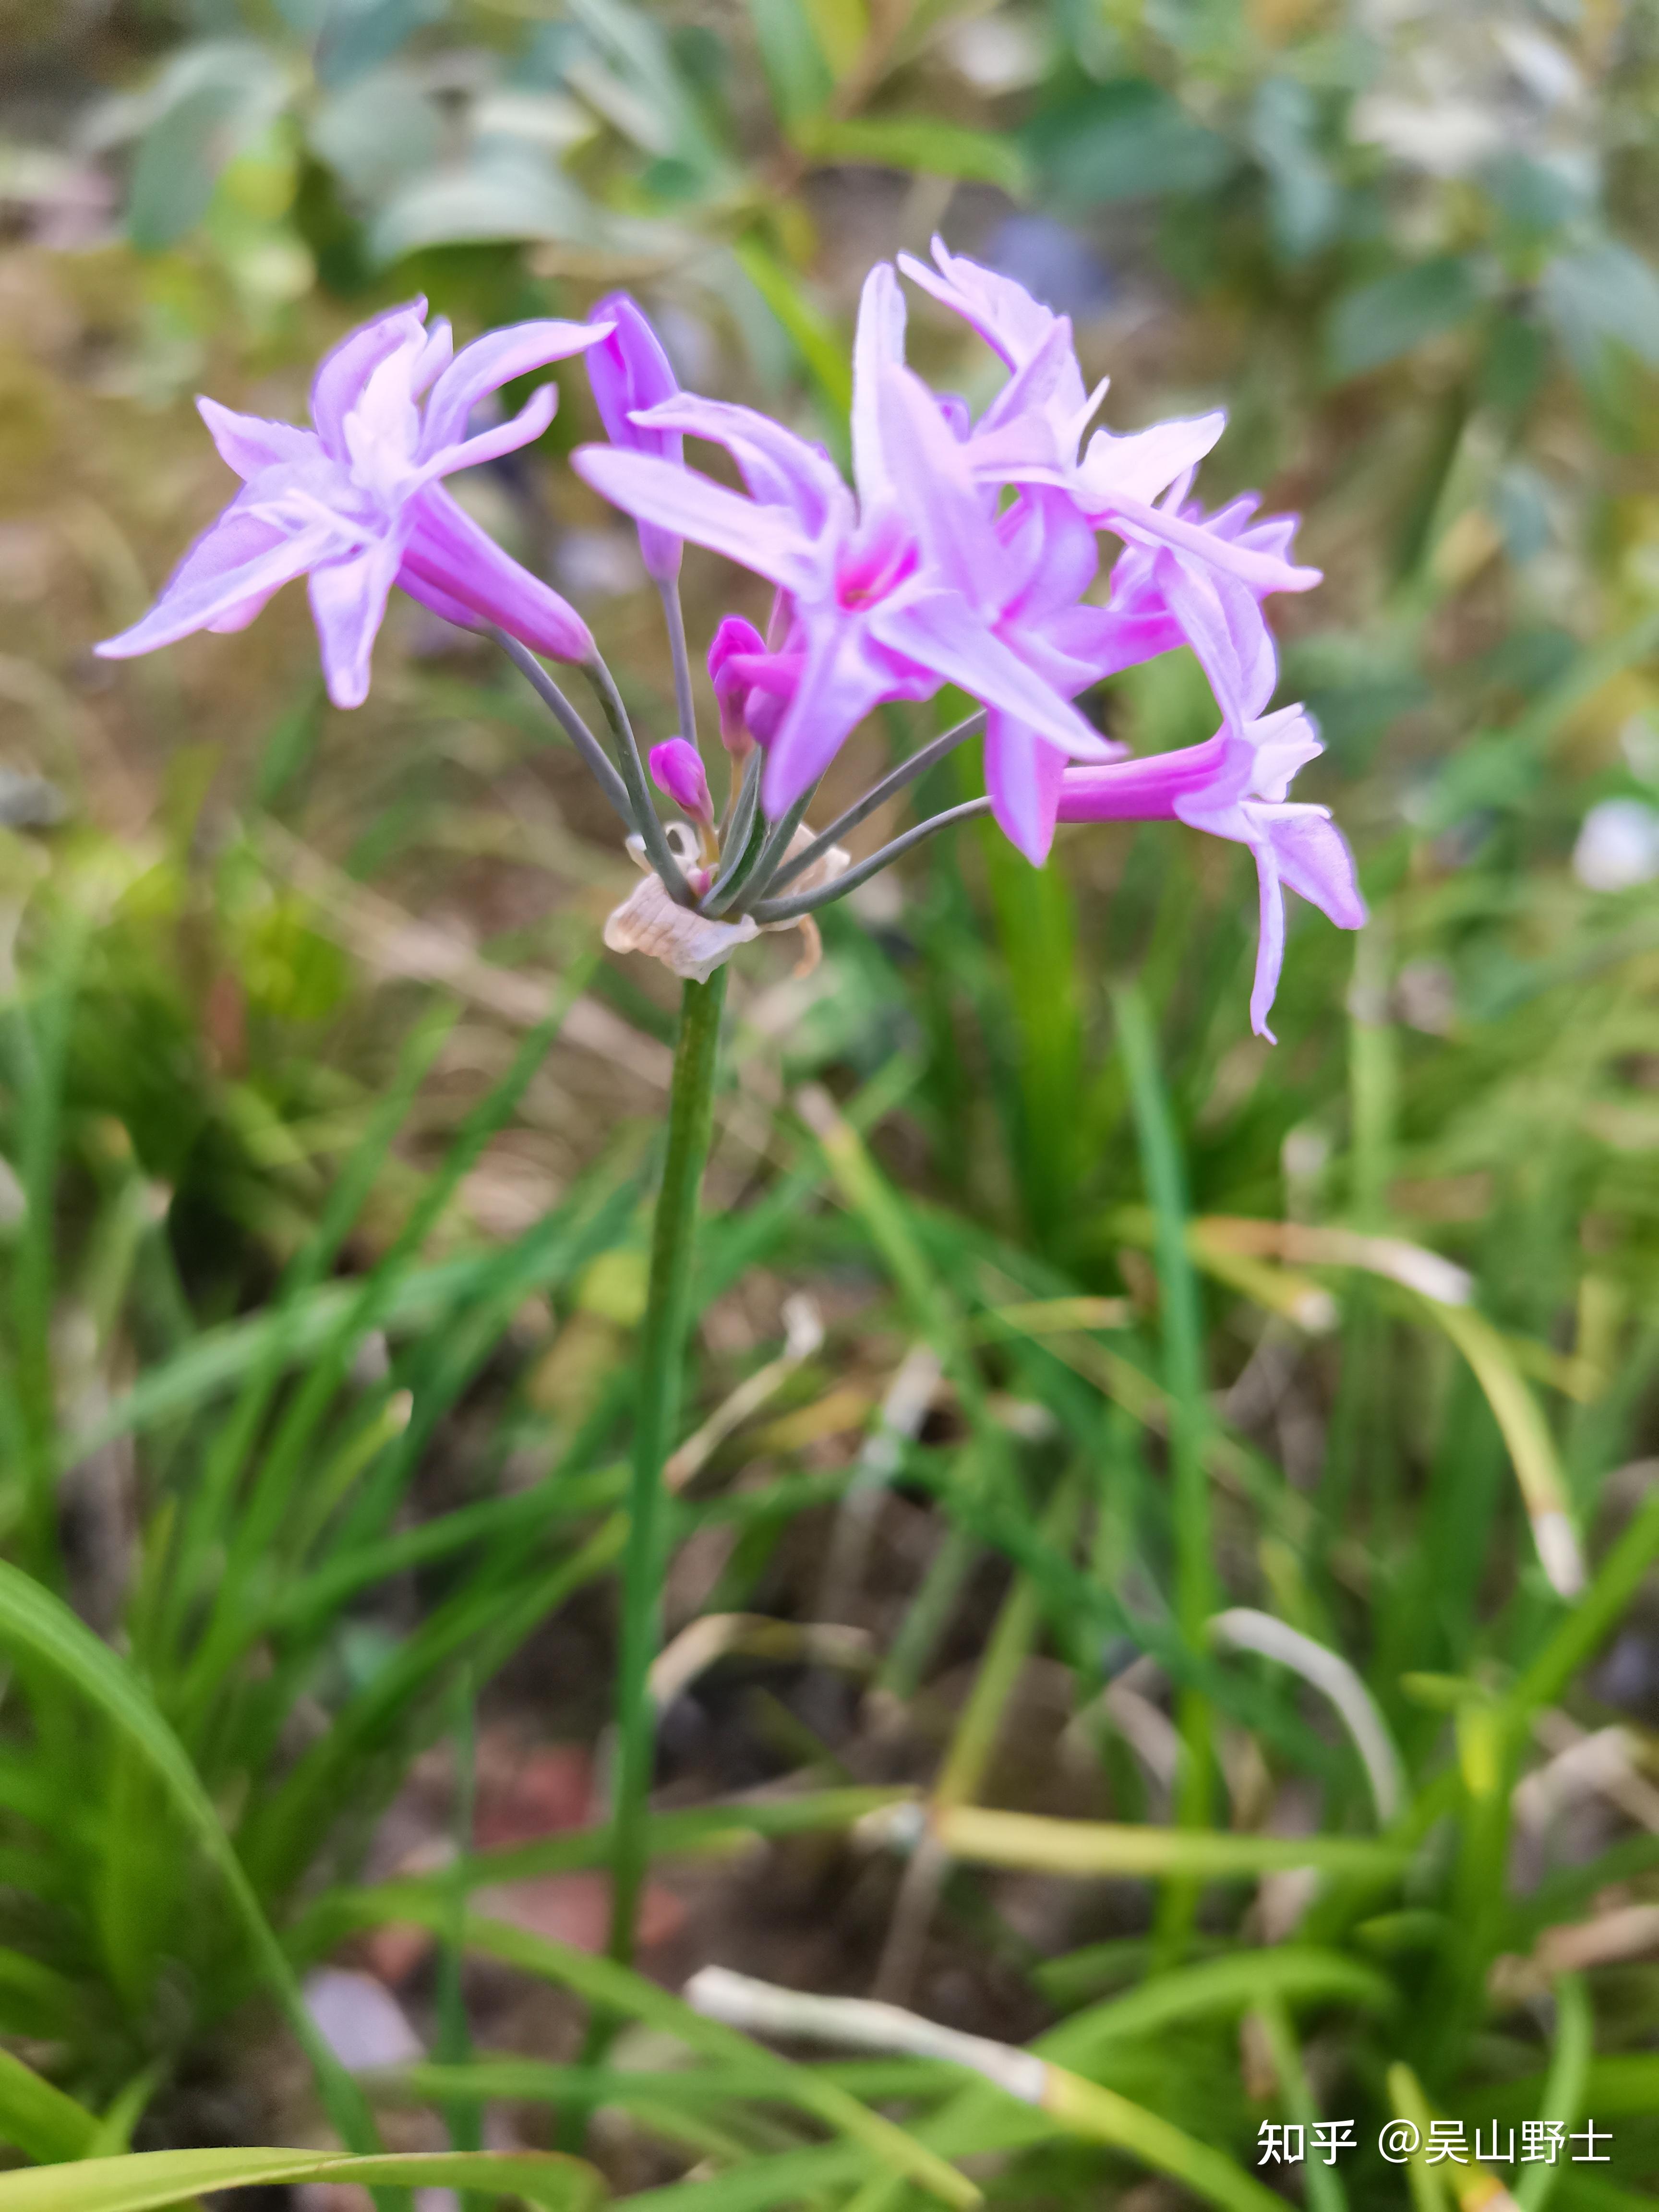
629, 371
938, 631
1223, 621
501, 438
491, 362
1270, 948
249, 443
429, 595
1105, 643
348, 604
449, 552
933, 491
1038, 415
1150, 789
434, 356
764, 538
342, 374
840, 681
1141, 464
241, 558
878, 348
1051, 554
1315, 861
1023, 775
1140, 523
1282, 745
1011, 322
778, 468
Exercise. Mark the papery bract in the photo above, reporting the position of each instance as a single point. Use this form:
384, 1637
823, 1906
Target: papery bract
356, 503
629, 371
1234, 785
676, 769
884, 603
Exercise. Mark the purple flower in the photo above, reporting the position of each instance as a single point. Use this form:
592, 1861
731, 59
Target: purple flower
676, 769
752, 685
888, 596
356, 505
1234, 785
629, 372
1209, 573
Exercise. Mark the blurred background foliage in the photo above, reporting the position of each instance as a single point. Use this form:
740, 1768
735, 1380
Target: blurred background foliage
297, 1282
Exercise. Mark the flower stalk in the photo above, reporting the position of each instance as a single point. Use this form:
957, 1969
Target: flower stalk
662, 1360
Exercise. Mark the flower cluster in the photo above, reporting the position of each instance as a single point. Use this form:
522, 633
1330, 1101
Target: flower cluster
966, 552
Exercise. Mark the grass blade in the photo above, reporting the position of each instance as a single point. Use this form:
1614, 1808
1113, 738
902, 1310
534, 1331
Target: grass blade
143, 2179
41, 1630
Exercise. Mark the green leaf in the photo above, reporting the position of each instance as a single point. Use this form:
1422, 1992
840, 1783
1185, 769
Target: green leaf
797, 72
637, 48
40, 1628
926, 143
1607, 294
40, 2119
359, 38
817, 340
1382, 320
1304, 204
144, 2178
510, 195
614, 1988
205, 108
1125, 140
703, 1830
1225, 1986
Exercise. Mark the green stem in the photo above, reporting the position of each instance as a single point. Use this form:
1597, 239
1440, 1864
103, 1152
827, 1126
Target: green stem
685, 704
790, 909
641, 804
691, 1120
915, 764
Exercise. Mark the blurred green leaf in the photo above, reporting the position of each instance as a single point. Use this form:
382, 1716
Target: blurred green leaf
1124, 140
207, 105
1304, 204
923, 143
1379, 321
637, 49
376, 132
819, 343
143, 2179
797, 74
39, 2119
1606, 294
358, 35
508, 196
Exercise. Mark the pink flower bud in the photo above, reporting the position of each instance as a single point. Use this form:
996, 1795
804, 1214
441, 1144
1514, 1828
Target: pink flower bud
734, 640
752, 685
629, 372
677, 770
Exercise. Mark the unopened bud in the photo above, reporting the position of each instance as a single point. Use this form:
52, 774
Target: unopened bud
678, 771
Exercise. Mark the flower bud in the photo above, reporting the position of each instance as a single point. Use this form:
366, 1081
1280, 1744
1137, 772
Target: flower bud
733, 641
629, 372
677, 770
